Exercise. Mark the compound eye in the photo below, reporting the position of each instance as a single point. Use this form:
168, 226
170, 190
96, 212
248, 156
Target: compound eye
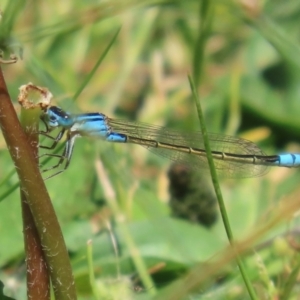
52, 120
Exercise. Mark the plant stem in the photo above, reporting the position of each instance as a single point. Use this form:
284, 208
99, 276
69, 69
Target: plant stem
38, 280
38, 200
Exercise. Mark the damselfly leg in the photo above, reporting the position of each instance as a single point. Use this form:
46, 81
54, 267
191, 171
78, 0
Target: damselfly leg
47, 134
64, 158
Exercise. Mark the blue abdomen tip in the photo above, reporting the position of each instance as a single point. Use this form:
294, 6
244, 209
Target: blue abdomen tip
289, 159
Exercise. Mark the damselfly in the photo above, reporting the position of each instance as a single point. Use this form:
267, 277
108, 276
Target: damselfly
233, 156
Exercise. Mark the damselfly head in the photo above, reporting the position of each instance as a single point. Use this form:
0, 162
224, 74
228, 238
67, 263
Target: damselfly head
55, 117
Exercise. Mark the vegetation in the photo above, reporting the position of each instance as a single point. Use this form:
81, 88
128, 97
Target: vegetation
131, 60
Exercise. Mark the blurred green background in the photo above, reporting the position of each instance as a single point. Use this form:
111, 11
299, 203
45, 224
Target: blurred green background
249, 87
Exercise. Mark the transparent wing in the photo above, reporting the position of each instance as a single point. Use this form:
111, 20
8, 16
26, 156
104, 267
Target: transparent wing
220, 143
